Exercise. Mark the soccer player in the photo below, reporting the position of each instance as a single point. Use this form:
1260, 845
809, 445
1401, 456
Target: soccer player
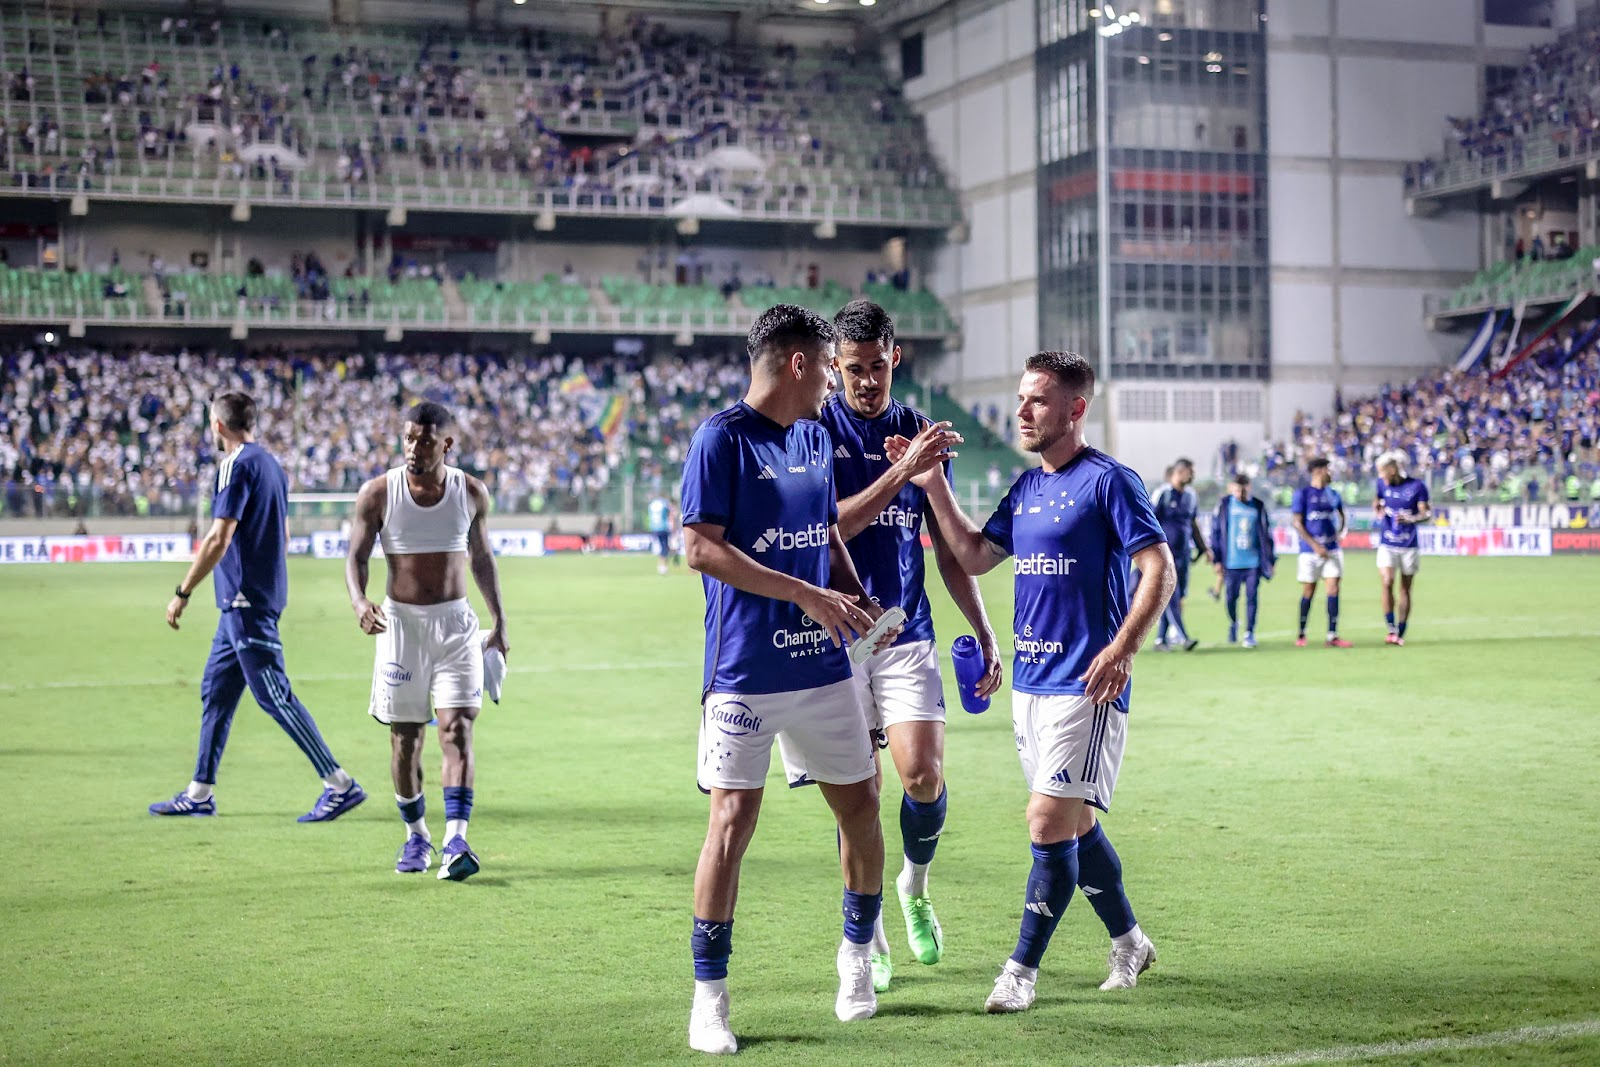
1320, 521
1399, 504
247, 547
432, 519
1073, 524
782, 602
881, 515
1178, 510
659, 519
1241, 543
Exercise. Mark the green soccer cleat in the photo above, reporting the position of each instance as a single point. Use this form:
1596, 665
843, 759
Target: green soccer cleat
882, 972
922, 928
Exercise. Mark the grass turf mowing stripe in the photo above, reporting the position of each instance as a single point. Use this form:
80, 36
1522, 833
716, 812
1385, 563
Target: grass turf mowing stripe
1522, 1035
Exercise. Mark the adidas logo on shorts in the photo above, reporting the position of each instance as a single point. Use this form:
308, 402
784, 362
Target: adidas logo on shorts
1061, 777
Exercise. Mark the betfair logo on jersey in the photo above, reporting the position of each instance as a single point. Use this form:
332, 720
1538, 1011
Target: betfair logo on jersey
813, 536
1043, 565
896, 516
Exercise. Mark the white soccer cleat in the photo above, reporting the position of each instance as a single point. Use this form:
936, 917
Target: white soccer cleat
856, 999
1127, 964
1013, 992
708, 1025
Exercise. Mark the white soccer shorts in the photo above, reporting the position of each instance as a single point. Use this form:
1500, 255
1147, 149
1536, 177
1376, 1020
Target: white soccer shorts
823, 730
429, 657
1404, 560
899, 684
1310, 566
1069, 746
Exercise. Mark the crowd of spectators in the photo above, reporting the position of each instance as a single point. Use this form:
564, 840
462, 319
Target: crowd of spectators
99, 432
425, 101
1467, 430
1555, 94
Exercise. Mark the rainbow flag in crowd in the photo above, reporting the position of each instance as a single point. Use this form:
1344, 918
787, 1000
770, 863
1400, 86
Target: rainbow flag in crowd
576, 381
613, 415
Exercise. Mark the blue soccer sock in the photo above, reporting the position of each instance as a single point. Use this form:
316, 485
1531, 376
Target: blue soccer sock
1050, 885
1175, 611
861, 912
412, 810
1333, 614
1388, 617
1100, 876
712, 944
920, 826
457, 810
1400, 630
1305, 613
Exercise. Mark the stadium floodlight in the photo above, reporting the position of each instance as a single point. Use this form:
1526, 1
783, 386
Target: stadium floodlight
868, 3
1134, 16
1111, 12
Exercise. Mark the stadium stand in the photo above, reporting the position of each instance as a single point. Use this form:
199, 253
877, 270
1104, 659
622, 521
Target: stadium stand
136, 106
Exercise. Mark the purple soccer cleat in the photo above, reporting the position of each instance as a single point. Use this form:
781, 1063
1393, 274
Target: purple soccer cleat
457, 862
415, 855
332, 804
184, 804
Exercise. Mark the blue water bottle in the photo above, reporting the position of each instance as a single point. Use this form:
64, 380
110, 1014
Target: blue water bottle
968, 660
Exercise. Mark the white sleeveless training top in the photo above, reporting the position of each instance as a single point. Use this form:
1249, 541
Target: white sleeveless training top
410, 529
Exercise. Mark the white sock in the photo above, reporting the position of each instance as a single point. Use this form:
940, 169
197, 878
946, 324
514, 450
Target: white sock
421, 825
848, 947
339, 780
198, 791
914, 879
880, 939
710, 988
1129, 939
1030, 973
454, 828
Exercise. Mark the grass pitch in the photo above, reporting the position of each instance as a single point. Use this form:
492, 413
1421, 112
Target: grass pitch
1329, 848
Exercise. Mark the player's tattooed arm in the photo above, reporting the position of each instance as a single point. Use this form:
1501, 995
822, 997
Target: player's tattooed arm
1108, 673
480, 559
706, 549
925, 453
972, 550
364, 527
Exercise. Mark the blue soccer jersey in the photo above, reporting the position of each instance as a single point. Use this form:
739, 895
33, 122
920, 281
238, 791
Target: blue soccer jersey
771, 489
1395, 499
1071, 533
1176, 510
1319, 512
252, 490
888, 554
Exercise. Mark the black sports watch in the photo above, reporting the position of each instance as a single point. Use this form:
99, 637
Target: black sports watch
181, 594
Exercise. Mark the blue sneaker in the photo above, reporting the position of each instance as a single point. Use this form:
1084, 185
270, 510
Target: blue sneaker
1249, 640
457, 862
331, 804
415, 855
184, 804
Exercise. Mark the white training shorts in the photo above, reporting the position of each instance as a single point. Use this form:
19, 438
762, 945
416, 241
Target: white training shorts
1069, 746
1310, 566
428, 658
1404, 560
823, 730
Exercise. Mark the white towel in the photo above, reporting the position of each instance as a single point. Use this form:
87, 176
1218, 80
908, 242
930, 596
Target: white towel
494, 668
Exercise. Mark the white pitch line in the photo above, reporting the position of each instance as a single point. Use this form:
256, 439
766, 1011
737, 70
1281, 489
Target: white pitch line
1523, 1035
141, 683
